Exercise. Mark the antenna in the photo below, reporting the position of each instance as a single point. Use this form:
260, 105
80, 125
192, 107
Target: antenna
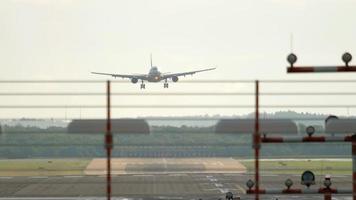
151, 59
291, 42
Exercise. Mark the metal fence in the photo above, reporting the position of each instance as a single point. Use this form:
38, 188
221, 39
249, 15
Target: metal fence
305, 102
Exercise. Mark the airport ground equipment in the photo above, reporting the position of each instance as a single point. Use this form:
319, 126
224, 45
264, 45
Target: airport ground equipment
327, 190
312, 139
258, 140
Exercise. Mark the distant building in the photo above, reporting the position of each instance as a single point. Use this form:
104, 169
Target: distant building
247, 126
340, 126
121, 126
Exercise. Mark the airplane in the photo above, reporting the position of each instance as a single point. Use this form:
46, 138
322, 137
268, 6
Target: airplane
154, 75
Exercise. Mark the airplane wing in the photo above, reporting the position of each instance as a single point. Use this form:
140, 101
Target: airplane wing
185, 73
137, 76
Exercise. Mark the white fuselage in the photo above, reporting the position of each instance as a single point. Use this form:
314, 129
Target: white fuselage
154, 75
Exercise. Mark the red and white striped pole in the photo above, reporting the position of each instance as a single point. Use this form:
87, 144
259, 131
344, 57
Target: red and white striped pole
346, 58
353, 139
108, 144
256, 142
327, 196
320, 69
300, 139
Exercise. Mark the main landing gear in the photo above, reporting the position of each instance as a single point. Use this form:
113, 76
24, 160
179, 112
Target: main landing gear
165, 85
143, 86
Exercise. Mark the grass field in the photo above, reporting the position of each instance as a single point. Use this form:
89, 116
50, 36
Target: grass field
60, 167
319, 167
42, 167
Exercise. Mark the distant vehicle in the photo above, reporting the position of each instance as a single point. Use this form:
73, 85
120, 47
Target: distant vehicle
154, 75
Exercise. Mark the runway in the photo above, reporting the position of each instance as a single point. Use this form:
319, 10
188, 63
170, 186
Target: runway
151, 186
97, 166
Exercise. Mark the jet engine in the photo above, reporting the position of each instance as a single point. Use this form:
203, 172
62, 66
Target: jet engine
175, 78
134, 80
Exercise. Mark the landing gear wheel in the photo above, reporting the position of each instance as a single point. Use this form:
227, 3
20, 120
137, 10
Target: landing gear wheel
165, 85
143, 86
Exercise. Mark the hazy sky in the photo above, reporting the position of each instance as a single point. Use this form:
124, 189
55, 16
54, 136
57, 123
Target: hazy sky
250, 39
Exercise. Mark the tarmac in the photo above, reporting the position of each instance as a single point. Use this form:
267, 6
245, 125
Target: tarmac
158, 178
192, 186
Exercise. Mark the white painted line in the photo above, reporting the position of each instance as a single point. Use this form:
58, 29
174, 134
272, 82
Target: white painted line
142, 175
38, 177
269, 175
234, 174
204, 183
73, 176
223, 191
340, 176
229, 189
6, 177
218, 185
51, 198
177, 174
210, 189
164, 197
240, 189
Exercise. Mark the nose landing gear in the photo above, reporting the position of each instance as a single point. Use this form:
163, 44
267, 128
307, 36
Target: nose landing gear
143, 86
165, 85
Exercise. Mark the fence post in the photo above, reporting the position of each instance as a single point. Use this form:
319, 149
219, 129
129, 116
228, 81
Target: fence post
327, 196
353, 139
108, 144
256, 142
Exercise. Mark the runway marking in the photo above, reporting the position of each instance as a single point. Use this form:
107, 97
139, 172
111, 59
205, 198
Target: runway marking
234, 174
6, 177
218, 185
241, 189
55, 198
223, 191
211, 178
38, 177
163, 197
204, 184
73, 176
272, 175
177, 174
142, 175
340, 176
